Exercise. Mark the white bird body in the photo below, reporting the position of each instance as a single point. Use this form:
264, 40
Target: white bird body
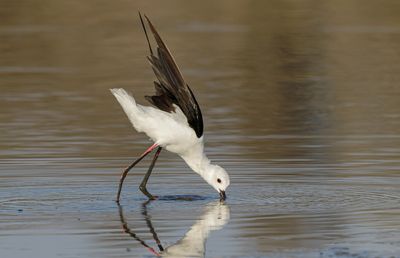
174, 134
169, 130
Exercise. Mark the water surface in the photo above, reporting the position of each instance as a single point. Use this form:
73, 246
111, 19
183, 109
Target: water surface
301, 105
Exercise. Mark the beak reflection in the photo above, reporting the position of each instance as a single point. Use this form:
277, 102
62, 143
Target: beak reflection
222, 195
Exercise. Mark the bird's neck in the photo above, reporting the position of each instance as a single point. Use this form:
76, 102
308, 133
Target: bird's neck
198, 161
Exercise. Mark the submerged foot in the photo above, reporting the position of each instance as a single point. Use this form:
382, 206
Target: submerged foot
149, 195
153, 197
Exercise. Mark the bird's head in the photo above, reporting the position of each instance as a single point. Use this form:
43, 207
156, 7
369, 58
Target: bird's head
219, 179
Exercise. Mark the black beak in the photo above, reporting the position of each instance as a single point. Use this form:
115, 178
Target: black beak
222, 195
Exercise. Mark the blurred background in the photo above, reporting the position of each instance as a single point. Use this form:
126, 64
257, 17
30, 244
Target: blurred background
301, 104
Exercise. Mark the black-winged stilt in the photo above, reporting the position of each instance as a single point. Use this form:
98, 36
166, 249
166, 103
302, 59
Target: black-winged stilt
174, 123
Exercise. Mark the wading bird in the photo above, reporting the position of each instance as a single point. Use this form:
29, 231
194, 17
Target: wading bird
174, 122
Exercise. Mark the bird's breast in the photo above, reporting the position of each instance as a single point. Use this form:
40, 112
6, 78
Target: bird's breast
182, 145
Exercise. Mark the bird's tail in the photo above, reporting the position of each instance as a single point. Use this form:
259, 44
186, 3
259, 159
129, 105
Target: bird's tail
127, 103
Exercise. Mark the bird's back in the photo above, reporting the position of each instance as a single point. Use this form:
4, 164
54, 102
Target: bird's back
170, 130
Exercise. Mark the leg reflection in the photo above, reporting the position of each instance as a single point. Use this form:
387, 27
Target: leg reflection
192, 244
150, 225
127, 230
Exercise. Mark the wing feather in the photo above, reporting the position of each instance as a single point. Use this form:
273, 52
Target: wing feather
171, 88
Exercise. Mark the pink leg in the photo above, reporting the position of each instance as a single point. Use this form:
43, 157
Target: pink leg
125, 172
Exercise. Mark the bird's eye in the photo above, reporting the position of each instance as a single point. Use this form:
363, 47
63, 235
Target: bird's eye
219, 180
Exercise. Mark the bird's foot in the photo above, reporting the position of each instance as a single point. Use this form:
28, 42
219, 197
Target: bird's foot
152, 197
149, 195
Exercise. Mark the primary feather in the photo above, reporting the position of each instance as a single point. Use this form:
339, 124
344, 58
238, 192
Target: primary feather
171, 88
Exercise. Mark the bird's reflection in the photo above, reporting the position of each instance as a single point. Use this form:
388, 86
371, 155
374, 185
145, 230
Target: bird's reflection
192, 244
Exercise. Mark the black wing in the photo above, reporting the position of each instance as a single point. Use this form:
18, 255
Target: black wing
171, 88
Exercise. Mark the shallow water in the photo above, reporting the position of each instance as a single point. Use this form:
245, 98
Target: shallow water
301, 104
